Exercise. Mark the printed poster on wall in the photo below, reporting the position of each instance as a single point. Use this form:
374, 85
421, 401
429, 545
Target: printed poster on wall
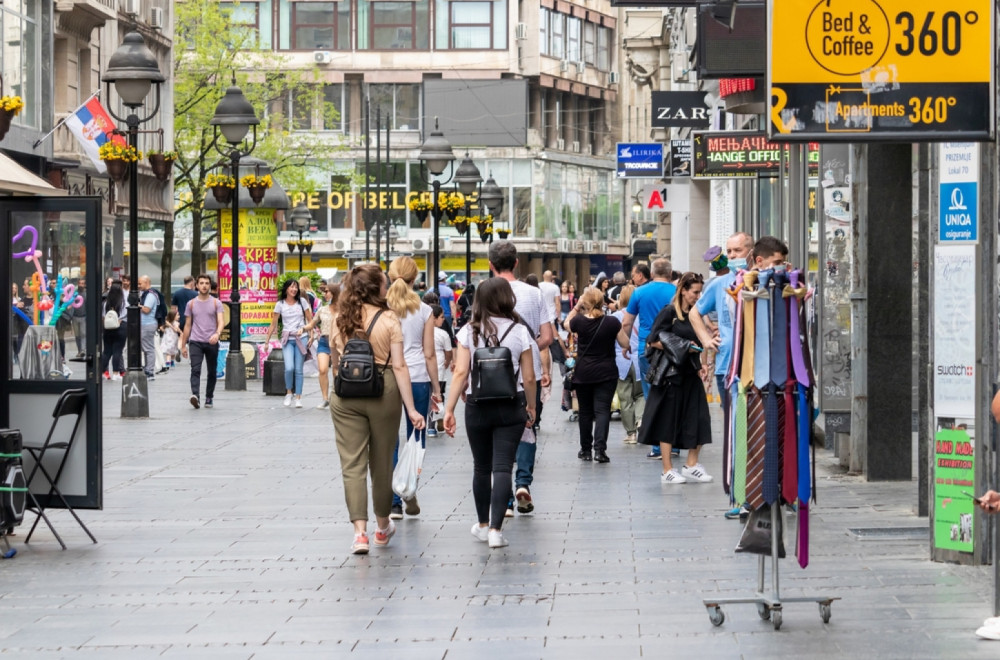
258, 268
954, 478
955, 331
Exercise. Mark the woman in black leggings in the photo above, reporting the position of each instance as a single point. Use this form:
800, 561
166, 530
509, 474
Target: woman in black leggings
114, 338
494, 427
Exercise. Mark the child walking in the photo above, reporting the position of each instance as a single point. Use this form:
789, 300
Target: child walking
171, 335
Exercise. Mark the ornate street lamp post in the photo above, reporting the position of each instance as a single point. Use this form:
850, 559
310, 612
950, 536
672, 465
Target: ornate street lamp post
469, 180
301, 218
436, 154
133, 70
234, 117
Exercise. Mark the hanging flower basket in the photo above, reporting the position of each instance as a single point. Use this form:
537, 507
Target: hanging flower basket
222, 194
257, 192
308, 245
162, 163
117, 169
462, 225
503, 234
484, 236
292, 244
421, 214
10, 107
257, 186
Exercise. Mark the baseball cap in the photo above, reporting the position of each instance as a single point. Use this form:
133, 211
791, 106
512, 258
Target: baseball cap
442, 276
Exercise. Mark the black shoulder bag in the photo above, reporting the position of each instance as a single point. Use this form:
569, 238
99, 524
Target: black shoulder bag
493, 374
358, 376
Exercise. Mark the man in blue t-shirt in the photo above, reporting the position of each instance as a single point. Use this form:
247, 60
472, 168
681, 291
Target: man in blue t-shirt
645, 305
447, 297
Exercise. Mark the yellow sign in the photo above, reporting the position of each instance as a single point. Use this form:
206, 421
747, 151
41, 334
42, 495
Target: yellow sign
323, 262
457, 264
886, 69
398, 200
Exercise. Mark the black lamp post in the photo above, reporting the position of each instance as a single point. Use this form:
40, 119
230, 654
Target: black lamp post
301, 219
133, 70
436, 154
468, 179
234, 117
491, 199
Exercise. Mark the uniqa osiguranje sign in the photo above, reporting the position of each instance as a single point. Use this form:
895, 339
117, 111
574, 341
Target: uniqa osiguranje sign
867, 70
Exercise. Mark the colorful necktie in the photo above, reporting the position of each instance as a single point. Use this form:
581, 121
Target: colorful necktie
740, 446
789, 447
779, 334
772, 444
734, 362
748, 295
804, 419
795, 294
803, 544
755, 449
762, 332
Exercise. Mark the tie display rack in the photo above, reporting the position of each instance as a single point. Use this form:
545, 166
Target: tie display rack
768, 423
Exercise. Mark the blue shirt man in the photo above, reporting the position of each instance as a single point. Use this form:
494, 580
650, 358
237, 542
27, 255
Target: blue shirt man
646, 303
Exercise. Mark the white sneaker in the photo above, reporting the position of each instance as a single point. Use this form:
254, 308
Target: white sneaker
496, 539
696, 473
298, 404
989, 632
630, 439
672, 477
992, 622
481, 533
288, 400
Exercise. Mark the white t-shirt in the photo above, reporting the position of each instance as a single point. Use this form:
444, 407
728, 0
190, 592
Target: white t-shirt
413, 343
442, 344
529, 305
549, 294
518, 340
293, 316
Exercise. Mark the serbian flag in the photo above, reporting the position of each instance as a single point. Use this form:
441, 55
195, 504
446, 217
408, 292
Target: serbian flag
92, 126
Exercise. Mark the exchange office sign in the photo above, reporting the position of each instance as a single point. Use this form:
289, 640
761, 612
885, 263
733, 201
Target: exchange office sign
734, 155
861, 70
680, 110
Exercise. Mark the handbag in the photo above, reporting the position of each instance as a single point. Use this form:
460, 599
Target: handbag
665, 363
756, 537
358, 375
568, 378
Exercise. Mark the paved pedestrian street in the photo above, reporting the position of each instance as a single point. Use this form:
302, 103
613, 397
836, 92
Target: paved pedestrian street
224, 535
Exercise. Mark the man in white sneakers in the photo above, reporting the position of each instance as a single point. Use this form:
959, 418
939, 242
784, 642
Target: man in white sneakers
202, 331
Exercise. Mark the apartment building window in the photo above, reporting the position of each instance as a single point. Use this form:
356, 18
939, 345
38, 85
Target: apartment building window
300, 107
335, 109
20, 56
245, 27
392, 25
470, 24
318, 25
400, 105
590, 43
557, 32
573, 30
603, 49
543, 31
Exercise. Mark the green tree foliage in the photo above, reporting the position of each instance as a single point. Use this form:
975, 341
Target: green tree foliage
210, 49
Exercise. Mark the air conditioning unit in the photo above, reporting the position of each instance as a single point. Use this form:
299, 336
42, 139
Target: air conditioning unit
613, 78
521, 31
562, 245
181, 245
322, 56
581, 66
158, 244
132, 7
589, 149
444, 243
156, 18
561, 144
341, 244
588, 246
602, 247
420, 240
564, 66
576, 146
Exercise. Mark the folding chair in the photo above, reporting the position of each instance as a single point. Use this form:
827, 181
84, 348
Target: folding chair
72, 402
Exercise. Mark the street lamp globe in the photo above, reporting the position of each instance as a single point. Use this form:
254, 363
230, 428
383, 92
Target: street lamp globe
492, 196
133, 70
301, 217
436, 151
467, 176
234, 115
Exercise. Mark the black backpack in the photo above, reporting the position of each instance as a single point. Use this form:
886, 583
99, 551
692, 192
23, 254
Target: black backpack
358, 376
493, 374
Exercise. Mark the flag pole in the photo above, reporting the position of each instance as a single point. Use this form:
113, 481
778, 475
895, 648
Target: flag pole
63, 120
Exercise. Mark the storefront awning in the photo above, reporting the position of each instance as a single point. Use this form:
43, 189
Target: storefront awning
15, 180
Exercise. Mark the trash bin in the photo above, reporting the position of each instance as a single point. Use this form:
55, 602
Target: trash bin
274, 374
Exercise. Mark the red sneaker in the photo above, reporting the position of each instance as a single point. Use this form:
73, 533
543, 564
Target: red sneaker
360, 546
382, 536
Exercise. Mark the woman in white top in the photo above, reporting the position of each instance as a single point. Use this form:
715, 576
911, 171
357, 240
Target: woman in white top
494, 427
294, 314
418, 351
325, 317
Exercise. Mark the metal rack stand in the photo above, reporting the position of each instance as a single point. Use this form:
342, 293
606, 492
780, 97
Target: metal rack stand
769, 606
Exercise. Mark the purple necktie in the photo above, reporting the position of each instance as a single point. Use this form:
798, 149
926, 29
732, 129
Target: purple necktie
802, 549
804, 418
734, 363
795, 293
779, 332
789, 447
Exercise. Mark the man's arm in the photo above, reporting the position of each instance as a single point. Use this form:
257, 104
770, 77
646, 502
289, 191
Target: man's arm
185, 335
707, 339
623, 335
145, 310
219, 325
544, 336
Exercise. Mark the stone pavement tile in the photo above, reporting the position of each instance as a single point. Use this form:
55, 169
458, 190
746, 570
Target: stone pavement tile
409, 649
95, 653
325, 629
522, 649
301, 651
210, 652
581, 647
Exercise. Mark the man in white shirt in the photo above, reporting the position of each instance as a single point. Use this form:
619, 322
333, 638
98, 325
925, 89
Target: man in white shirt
534, 312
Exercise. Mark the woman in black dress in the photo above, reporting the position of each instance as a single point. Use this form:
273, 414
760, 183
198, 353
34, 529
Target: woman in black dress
676, 414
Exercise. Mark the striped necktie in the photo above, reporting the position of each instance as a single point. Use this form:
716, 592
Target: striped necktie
740, 445
755, 449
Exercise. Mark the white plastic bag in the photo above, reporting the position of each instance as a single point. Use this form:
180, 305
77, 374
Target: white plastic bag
407, 471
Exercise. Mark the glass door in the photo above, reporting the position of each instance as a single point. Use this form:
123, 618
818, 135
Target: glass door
51, 337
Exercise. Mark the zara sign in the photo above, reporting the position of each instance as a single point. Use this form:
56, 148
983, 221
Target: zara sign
680, 110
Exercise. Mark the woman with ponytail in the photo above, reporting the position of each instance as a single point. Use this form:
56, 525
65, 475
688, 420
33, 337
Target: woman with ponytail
366, 428
418, 351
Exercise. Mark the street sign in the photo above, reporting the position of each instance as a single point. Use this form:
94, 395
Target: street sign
680, 158
680, 110
640, 160
721, 155
864, 71
958, 192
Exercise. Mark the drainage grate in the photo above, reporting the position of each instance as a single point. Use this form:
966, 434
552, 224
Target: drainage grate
897, 533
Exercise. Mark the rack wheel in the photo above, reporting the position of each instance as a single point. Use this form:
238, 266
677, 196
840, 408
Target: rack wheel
716, 616
763, 611
9, 554
776, 618
824, 612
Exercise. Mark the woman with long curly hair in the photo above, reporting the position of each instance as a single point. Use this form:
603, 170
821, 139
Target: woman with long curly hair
494, 427
417, 323
294, 313
366, 428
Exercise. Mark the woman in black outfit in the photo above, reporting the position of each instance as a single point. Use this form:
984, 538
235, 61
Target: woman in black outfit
114, 340
595, 376
676, 414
